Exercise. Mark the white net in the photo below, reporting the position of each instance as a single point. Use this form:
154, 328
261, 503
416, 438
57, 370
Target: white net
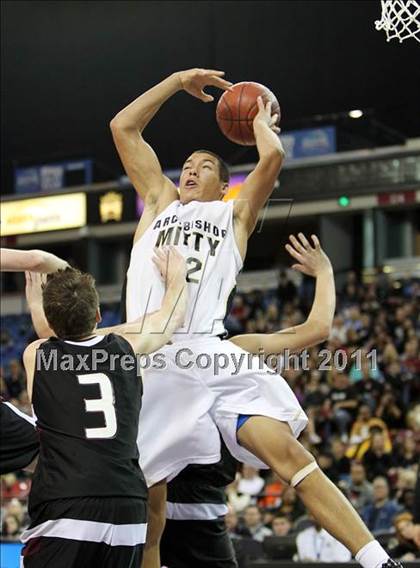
400, 19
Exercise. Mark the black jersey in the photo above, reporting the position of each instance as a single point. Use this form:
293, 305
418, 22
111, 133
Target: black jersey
87, 405
19, 442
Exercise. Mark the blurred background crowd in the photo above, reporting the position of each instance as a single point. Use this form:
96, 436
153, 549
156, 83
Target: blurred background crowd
364, 412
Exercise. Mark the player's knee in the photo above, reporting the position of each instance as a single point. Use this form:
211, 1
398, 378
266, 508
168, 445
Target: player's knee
296, 457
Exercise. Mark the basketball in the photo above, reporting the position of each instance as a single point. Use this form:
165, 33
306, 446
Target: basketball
237, 108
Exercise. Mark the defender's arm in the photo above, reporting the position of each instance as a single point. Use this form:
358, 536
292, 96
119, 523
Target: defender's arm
317, 328
34, 260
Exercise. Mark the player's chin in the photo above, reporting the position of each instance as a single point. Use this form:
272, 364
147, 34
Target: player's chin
188, 195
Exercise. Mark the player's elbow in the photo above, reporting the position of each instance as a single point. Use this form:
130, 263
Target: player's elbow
323, 331
119, 124
116, 124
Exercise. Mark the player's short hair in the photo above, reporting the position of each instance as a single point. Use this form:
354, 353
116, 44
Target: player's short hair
223, 167
70, 303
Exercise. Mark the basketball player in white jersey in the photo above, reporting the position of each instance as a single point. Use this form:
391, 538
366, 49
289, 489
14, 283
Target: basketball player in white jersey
259, 417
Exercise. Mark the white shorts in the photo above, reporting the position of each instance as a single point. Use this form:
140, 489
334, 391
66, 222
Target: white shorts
184, 409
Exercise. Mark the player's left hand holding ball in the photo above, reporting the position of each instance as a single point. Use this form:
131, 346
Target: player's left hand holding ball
193, 81
312, 260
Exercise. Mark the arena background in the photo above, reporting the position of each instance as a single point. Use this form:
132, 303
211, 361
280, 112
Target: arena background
69, 67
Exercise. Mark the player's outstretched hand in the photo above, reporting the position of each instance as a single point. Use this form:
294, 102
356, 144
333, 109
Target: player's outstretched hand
33, 289
264, 115
171, 265
312, 260
194, 81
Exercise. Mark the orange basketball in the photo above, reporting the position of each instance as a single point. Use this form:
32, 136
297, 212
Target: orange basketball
237, 108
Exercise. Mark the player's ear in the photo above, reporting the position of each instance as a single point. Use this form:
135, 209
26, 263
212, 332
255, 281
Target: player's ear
98, 315
225, 189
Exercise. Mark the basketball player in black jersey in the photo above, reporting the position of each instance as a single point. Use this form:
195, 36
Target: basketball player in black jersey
88, 498
19, 442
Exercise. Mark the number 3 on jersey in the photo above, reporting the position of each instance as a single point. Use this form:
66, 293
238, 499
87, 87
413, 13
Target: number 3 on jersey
104, 404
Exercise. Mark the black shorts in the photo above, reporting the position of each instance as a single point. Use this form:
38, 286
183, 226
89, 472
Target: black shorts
91, 532
193, 544
19, 442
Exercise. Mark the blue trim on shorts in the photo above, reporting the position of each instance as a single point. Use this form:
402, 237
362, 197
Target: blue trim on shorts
242, 418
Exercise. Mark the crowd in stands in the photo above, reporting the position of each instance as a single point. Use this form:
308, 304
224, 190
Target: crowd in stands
360, 390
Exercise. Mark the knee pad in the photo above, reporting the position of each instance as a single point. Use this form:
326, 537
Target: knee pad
302, 473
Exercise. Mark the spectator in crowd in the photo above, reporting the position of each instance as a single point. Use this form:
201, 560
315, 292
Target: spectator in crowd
341, 462
379, 515
405, 487
15, 380
377, 460
15, 507
326, 463
11, 528
4, 392
389, 409
281, 525
254, 525
404, 546
362, 432
359, 490
315, 544
343, 403
238, 501
291, 505
410, 358
339, 330
11, 486
406, 454
232, 521
368, 388
286, 290
271, 497
250, 482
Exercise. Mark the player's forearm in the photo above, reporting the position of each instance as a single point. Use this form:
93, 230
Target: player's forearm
323, 307
152, 331
174, 307
140, 112
40, 323
269, 145
31, 260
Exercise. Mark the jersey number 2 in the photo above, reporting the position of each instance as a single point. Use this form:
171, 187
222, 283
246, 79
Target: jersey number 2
104, 404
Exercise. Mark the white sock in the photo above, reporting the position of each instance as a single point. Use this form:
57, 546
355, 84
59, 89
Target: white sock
372, 555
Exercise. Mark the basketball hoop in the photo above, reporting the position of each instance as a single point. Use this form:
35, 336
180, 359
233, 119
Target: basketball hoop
400, 19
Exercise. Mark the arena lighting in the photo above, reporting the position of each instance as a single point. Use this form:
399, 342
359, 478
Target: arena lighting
344, 201
356, 113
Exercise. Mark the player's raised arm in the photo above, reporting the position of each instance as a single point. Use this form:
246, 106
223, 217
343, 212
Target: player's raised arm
311, 260
259, 184
33, 291
12, 260
29, 362
154, 330
139, 159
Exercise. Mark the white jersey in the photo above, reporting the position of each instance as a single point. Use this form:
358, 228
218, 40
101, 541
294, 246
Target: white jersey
203, 233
